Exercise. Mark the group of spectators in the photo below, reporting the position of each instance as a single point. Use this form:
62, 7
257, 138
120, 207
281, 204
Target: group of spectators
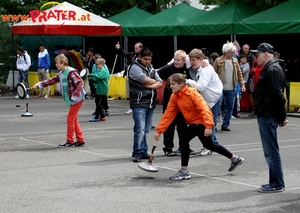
23, 64
195, 111
196, 86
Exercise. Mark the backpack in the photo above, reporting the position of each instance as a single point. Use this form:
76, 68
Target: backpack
25, 59
282, 64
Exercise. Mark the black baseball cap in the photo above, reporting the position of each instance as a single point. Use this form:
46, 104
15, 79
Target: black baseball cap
264, 47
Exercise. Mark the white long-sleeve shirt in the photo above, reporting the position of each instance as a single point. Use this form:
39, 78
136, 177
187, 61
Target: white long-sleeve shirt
22, 63
208, 84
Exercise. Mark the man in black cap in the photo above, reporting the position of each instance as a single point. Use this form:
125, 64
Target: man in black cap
269, 104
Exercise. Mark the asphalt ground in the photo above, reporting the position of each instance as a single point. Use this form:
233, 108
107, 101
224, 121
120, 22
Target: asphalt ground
36, 176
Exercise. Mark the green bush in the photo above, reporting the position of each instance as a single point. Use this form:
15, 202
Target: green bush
7, 50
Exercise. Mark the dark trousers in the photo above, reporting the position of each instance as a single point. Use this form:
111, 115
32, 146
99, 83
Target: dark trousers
192, 131
99, 99
92, 87
179, 122
235, 111
105, 103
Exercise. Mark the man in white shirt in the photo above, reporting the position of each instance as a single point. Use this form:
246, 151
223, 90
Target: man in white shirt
23, 64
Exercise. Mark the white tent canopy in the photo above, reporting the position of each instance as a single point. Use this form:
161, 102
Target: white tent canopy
66, 19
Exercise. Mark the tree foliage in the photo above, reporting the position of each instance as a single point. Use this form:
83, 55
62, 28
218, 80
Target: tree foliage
259, 4
104, 8
7, 54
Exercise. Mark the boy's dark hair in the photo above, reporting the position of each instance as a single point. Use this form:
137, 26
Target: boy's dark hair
145, 51
242, 56
21, 49
91, 49
276, 54
41, 45
214, 55
205, 51
97, 55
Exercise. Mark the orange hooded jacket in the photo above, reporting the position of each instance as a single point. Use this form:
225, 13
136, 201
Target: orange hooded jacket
193, 107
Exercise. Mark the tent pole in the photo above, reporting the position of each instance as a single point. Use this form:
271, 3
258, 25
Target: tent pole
175, 43
126, 50
126, 43
83, 44
12, 61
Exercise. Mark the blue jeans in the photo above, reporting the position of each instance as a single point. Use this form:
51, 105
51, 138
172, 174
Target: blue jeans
268, 134
142, 118
216, 111
23, 75
229, 96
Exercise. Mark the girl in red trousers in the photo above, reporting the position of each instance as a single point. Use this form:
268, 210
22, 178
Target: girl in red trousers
73, 94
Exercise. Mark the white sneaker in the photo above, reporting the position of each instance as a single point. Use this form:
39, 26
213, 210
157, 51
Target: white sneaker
205, 151
232, 117
128, 111
27, 96
16, 97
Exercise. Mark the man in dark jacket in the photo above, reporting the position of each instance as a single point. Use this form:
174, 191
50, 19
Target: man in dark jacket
131, 57
269, 104
89, 63
250, 56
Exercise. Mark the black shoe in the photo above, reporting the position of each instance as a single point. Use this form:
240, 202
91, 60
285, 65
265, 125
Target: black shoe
236, 162
136, 158
79, 144
225, 129
146, 156
65, 144
178, 152
269, 189
168, 152
94, 113
268, 185
152, 127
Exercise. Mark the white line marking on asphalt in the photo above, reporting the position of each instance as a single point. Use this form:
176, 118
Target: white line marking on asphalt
168, 168
290, 189
250, 150
73, 149
120, 128
224, 180
255, 143
206, 176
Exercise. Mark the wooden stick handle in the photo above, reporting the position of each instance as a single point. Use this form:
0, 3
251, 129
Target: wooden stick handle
153, 148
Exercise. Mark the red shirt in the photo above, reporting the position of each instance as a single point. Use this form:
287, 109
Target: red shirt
255, 70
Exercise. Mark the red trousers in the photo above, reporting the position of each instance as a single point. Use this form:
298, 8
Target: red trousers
73, 124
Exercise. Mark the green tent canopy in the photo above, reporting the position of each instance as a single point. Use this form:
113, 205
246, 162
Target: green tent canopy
281, 19
165, 22
129, 18
219, 21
